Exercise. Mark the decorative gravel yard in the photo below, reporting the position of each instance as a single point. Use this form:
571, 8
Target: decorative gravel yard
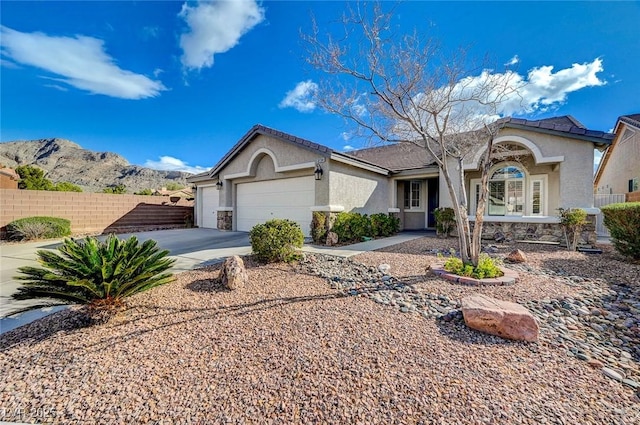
328, 340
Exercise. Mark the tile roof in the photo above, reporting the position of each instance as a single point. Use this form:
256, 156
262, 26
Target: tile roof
408, 156
261, 129
395, 157
567, 125
633, 119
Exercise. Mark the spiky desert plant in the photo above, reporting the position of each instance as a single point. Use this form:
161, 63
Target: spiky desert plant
98, 274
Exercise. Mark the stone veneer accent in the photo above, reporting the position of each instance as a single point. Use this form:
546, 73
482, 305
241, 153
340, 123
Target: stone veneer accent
546, 232
225, 220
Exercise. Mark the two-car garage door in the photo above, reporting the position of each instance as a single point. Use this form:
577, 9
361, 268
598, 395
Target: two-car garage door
292, 198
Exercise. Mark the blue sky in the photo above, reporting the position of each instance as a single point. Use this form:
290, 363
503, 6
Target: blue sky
173, 85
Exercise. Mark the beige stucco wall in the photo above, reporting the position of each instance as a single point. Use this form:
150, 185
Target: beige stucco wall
623, 163
262, 167
575, 172
357, 190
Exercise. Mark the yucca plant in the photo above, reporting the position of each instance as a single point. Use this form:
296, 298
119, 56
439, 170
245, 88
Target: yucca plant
94, 273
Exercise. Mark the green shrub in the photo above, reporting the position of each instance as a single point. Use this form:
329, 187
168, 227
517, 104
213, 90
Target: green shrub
487, 267
318, 227
100, 274
67, 187
623, 222
572, 221
276, 240
445, 220
351, 227
384, 225
38, 228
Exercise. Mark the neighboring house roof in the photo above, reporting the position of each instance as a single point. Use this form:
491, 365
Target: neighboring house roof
633, 120
10, 172
183, 193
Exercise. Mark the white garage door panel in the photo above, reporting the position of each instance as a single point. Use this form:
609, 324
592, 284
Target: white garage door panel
287, 198
209, 215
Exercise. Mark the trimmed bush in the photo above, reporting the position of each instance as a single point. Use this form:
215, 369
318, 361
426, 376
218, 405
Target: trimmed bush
623, 222
99, 274
38, 228
318, 227
276, 240
352, 226
445, 220
383, 225
487, 267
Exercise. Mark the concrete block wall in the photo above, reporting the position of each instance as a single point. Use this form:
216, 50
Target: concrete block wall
93, 212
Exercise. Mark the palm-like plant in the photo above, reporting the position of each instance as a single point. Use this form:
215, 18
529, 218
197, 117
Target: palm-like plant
100, 274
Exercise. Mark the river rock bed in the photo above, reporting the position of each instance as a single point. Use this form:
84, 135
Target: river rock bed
600, 324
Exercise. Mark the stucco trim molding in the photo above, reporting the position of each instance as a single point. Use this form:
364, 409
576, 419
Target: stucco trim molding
359, 164
278, 169
328, 208
531, 146
224, 209
393, 210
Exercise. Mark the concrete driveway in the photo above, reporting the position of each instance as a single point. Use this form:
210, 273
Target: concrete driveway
190, 248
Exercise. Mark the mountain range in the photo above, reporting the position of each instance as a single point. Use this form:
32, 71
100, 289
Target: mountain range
64, 160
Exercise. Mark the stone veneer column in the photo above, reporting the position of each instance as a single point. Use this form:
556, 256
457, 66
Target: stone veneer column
225, 220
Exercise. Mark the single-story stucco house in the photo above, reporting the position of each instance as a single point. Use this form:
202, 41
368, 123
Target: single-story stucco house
270, 174
619, 169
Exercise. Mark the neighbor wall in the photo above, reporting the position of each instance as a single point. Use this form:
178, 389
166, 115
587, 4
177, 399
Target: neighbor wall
94, 212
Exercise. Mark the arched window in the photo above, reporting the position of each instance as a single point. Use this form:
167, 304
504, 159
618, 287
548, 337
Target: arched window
506, 191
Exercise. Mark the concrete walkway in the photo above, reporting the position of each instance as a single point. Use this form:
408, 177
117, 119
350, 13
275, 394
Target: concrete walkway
191, 248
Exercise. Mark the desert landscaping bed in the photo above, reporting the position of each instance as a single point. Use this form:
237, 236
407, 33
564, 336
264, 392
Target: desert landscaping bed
336, 341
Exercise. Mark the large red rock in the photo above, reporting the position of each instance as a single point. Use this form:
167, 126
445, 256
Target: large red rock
234, 274
516, 256
501, 318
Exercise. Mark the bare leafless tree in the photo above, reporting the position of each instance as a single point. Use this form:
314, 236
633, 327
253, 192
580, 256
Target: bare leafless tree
404, 88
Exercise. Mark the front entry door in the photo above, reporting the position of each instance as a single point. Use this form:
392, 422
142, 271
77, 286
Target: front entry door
432, 201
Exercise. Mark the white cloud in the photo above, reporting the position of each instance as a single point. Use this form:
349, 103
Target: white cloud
79, 61
348, 148
8, 64
57, 87
540, 90
215, 28
302, 97
514, 60
169, 163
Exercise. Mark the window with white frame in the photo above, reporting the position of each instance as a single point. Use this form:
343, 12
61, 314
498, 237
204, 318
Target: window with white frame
512, 193
412, 194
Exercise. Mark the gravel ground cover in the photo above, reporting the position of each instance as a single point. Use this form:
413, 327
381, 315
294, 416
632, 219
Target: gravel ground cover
337, 341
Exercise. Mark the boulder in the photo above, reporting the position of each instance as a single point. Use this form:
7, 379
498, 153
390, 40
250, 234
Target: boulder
516, 256
234, 274
332, 238
501, 318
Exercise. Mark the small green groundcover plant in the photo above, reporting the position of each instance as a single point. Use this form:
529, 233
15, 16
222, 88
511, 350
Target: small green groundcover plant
487, 267
98, 274
276, 240
29, 228
623, 222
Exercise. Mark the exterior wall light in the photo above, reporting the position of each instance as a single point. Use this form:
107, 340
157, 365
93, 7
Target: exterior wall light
318, 172
219, 185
